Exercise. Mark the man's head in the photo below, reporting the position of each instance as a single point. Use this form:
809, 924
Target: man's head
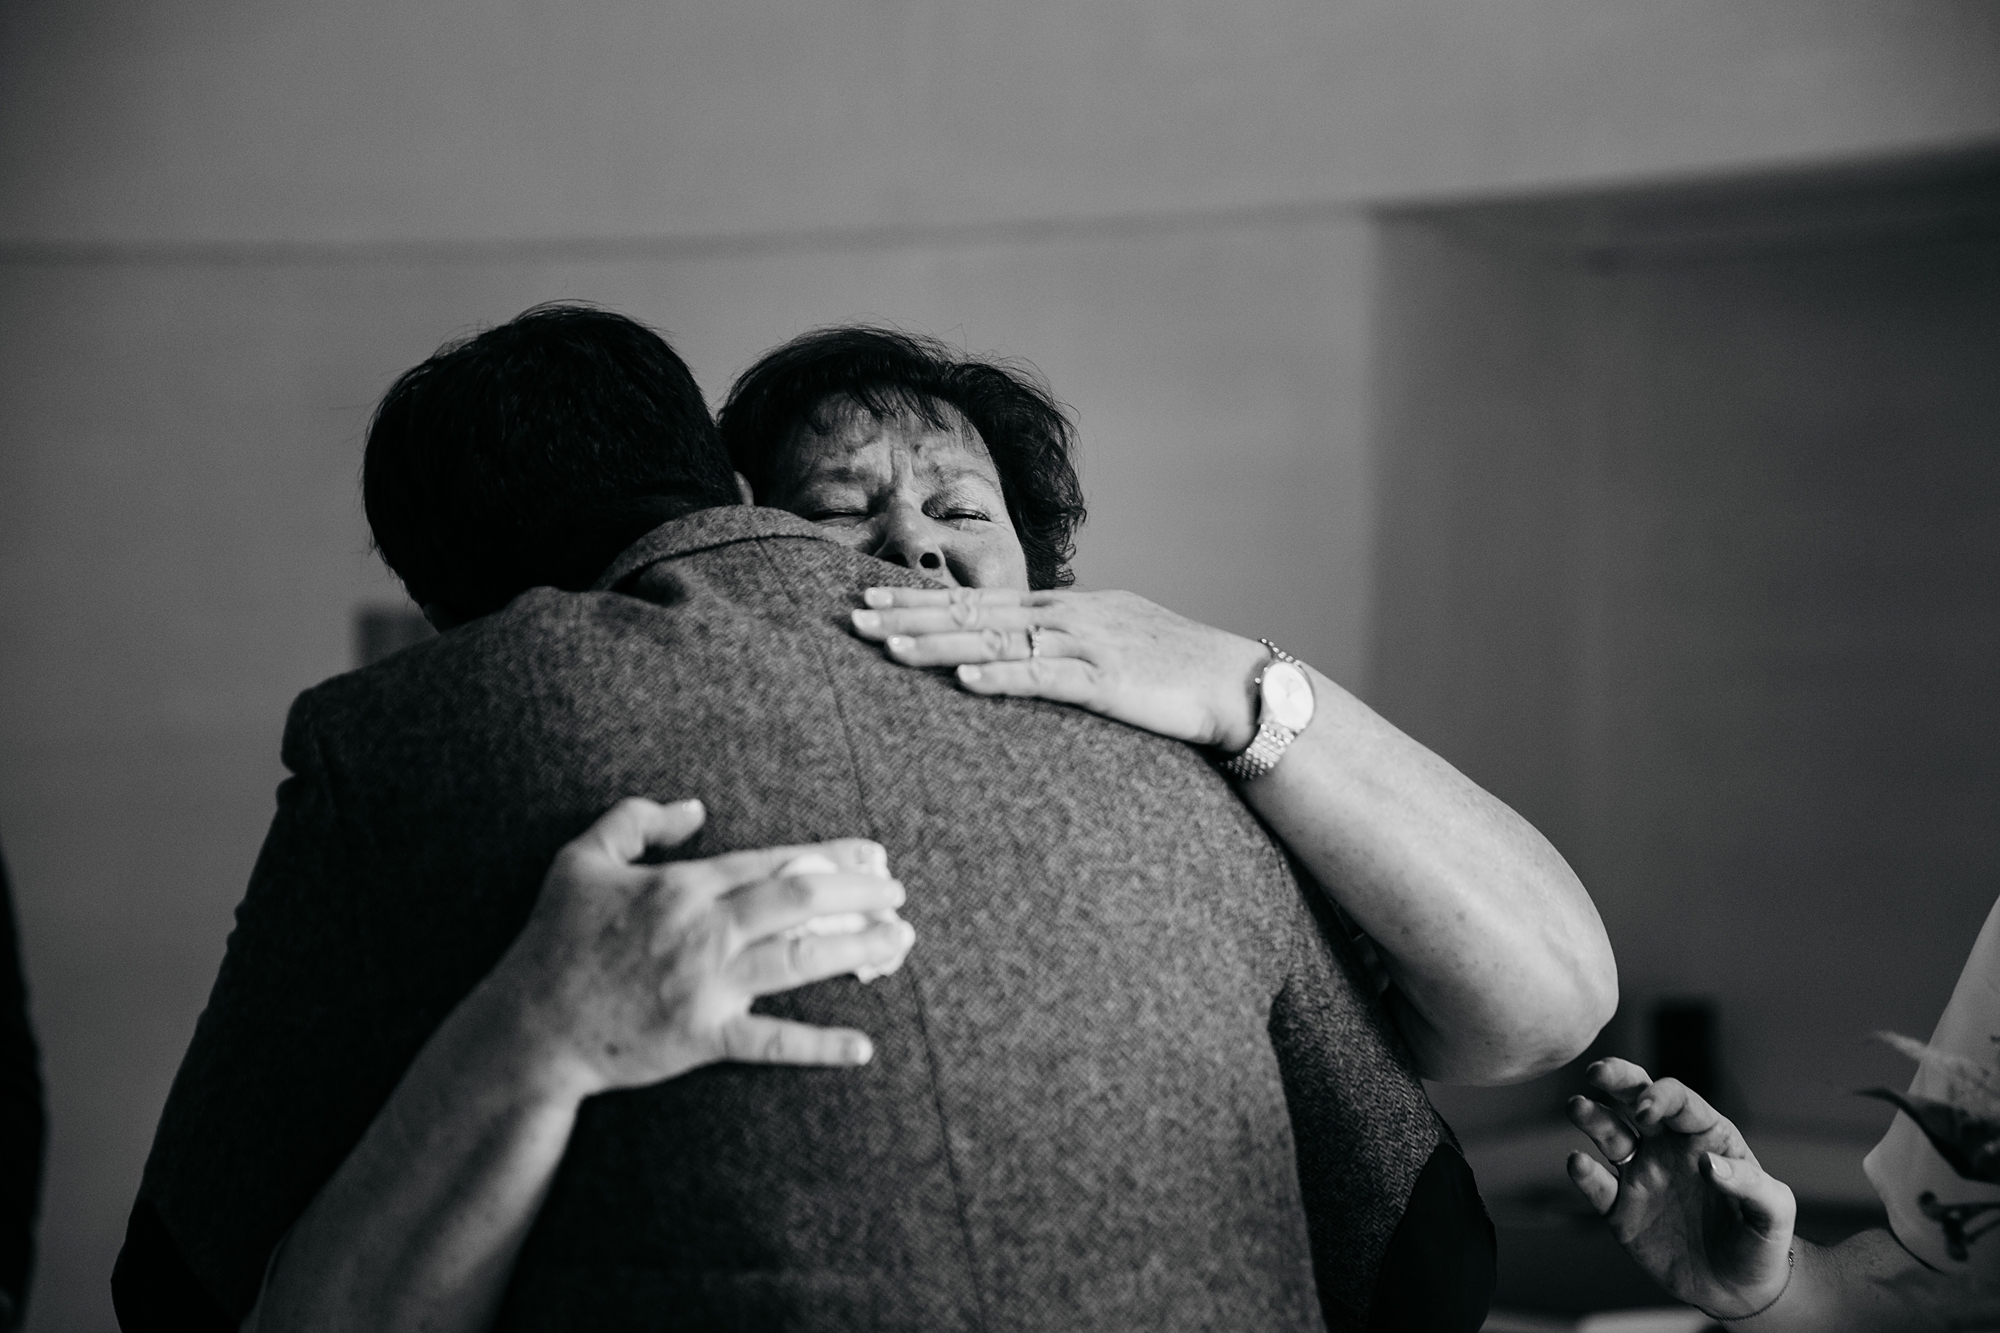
958, 468
532, 455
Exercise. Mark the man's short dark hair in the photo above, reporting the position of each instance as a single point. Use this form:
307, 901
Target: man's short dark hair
533, 454
888, 373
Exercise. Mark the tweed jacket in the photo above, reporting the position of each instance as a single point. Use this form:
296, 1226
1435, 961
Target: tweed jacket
1127, 1078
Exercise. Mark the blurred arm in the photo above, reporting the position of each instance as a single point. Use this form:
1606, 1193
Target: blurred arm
1870, 1284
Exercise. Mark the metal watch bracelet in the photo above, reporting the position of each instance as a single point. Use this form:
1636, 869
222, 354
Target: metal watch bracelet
1268, 746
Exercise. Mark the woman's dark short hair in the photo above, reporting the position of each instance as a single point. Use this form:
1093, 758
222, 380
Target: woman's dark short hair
888, 373
533, 454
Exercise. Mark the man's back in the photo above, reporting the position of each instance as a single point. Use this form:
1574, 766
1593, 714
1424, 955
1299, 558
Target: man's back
1088, 1074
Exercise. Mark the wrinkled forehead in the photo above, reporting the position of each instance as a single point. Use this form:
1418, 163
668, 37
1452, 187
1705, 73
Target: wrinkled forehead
847, 440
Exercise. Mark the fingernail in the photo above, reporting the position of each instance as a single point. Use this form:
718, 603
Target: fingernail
861, 1051
1720, 1168
691, 805
898, 644
1645, 1109
875, 857
969, 674
878, 597
867, 620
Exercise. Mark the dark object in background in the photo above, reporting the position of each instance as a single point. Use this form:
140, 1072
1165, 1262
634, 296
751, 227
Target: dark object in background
381, 630
1684, 1045
23, 1123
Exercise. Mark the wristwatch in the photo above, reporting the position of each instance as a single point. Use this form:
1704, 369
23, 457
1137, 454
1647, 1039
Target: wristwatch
1284, 709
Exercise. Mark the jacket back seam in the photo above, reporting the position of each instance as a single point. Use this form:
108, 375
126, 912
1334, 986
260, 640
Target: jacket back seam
907, 971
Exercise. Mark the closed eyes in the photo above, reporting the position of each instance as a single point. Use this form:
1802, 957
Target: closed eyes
957, 513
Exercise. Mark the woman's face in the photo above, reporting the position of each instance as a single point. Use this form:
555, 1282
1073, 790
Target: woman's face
904, 491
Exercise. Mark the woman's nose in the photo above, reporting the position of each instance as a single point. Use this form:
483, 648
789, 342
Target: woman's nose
911, 540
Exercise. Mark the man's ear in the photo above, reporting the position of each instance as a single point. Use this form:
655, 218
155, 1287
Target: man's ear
743, 489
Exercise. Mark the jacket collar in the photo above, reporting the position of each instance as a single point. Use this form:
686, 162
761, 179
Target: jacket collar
704, 530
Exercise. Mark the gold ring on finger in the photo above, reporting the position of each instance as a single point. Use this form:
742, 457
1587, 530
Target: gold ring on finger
1626, 1160
1034, 640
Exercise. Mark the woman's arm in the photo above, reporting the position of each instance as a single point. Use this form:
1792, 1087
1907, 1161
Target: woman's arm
420, 1225
1500, 965
626, 974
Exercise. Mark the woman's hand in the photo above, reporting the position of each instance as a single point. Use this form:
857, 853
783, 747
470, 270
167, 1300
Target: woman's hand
628, 973
1690, 1203
1113, 653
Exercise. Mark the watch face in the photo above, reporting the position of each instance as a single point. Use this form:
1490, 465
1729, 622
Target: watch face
1288, 696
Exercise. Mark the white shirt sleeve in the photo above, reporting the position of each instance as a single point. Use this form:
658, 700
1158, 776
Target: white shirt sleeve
1950, 1223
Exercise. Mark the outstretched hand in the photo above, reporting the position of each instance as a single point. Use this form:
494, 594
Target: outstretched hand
1689, 1202
1113, 653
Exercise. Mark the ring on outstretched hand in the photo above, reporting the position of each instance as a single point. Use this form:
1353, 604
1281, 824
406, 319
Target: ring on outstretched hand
1034, 640
1626, 1160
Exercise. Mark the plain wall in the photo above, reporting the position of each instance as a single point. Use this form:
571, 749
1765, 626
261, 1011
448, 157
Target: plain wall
1688, 551
225, 227
218, 120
